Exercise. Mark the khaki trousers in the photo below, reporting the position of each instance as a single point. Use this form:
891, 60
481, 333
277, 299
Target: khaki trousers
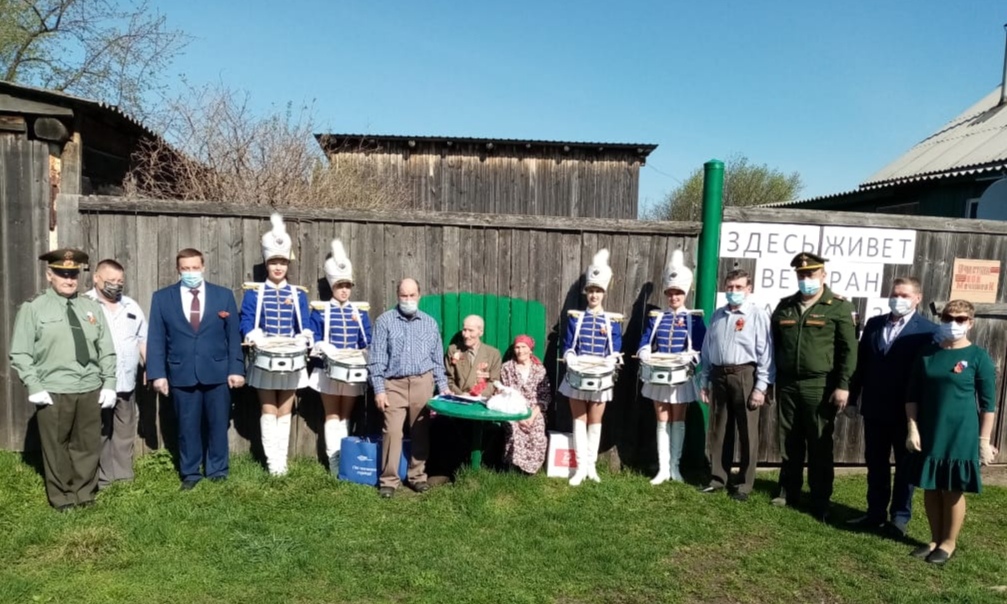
70, 431
406, 395
730, 417
118, 432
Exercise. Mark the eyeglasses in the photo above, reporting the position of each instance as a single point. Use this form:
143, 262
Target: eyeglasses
959, 319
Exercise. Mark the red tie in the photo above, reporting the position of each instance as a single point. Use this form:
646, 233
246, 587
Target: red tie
194, 310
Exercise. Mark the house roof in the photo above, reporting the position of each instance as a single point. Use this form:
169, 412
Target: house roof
369, 143
18, 98
973, 142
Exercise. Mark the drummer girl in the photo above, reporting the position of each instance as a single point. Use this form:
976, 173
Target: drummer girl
593, 338
674, 330
341, 325
275, 309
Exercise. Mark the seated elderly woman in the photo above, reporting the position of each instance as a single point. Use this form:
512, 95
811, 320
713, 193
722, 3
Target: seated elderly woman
527, 443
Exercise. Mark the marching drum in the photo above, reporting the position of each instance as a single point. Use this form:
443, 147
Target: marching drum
590, 377
348, 366
279, 355
665, 370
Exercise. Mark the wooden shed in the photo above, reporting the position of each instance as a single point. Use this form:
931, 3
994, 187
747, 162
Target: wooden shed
500, 176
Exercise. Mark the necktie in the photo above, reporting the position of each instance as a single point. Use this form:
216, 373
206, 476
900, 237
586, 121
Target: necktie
194, 310
79, 343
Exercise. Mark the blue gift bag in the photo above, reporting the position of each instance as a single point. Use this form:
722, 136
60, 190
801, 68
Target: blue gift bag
360, 460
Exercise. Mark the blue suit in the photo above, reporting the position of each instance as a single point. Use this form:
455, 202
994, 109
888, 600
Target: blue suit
880, 381
197, 364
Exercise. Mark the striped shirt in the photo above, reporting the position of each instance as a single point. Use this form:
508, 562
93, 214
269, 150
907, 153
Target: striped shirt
406, 346
128, 326
740, 337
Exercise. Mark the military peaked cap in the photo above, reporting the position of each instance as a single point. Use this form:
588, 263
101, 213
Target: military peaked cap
67, 259
806, 261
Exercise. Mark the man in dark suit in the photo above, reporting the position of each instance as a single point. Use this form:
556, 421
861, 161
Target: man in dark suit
194, 349
887, 350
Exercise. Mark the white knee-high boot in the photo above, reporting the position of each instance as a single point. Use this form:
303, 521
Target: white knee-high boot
282, 442
333, 440
580, 447
663, 453
677, 441
594, 442
267, 426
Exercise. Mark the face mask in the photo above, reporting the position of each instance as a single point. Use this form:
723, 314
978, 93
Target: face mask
900, 306
192, 279
735, 298
408, 307
809, 287
952, 331
112, 291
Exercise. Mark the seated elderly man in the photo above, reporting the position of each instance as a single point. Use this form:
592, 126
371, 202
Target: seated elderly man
472, 366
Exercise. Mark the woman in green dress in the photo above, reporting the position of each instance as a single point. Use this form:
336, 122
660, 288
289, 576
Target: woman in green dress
949, 437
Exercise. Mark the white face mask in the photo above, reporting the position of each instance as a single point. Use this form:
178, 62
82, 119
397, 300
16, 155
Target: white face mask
408, 307
809, 287
900, 306
952, 331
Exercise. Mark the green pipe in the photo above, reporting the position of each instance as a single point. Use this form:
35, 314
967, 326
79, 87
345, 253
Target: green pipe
709, 239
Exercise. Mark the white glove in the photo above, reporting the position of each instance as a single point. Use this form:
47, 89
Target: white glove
326, 349
255, 336
307, 337
40, 398
106, 398
570, 357
913, 439
611, 361
644, 354
986, 452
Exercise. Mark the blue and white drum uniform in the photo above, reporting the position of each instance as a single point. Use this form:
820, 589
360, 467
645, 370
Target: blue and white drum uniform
271, 310
671, 332
591, 334
345, 326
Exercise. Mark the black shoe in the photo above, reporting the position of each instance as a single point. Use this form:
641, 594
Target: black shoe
922, 552
739, 496
188, 485
865, 523
939, 556
420, 487
820, 514
896, 530
386, 492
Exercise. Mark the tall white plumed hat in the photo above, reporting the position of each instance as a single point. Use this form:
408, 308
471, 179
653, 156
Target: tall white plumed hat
599, 273
338, 267
276, 243
676, 274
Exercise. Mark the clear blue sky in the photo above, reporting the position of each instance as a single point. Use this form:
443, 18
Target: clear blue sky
832, 90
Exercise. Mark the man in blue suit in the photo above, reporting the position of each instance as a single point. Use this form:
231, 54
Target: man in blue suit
888, 349
194, 351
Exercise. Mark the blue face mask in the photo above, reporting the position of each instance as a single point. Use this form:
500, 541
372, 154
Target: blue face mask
809, 287
736, 298
192, 279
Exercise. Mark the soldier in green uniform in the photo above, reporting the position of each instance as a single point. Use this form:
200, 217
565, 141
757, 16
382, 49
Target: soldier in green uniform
816, 351
62, 350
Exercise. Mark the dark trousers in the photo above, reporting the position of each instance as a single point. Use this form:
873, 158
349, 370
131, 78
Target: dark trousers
118, 432
730, 388
882, 435
202, 410
70, 434
806, 422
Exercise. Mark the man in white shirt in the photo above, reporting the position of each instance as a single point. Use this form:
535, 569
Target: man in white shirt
128, 326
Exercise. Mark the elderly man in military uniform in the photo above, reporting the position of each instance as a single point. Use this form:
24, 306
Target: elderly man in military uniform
816, 352
62, 349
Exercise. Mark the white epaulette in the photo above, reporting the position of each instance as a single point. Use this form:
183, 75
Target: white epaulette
257, 285
321, 304
613, 316
697, 312
575, 313
655, 313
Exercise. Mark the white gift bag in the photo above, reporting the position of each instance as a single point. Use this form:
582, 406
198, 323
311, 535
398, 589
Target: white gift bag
507, 400
562, 460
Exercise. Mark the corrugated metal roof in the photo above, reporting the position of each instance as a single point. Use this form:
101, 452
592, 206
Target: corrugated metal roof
973, 142
64, 99
795, 202
642, 149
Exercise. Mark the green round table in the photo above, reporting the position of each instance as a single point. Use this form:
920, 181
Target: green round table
478, 413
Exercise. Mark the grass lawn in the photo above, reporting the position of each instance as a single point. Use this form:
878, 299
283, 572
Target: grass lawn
488, 538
